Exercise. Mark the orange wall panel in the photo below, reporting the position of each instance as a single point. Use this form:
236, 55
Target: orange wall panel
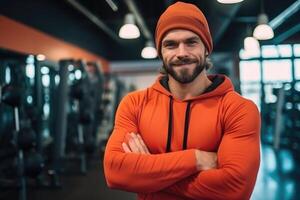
19, 37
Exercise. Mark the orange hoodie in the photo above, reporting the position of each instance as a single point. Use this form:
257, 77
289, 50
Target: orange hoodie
219, 120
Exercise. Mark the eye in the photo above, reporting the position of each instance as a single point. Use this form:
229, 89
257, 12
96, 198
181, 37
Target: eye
191, 42
169, 45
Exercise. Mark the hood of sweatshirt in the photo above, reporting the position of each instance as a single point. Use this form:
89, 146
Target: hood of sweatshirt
221, 85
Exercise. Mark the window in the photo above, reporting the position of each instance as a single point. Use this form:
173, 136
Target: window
297, 50
269, 51
250, 71
252, 92
276, 62
297, 69
285, 50
277, 70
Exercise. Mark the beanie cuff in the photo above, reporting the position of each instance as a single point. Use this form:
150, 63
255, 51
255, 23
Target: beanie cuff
187, 23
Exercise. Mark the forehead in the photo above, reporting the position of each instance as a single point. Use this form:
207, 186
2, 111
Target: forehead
179, 34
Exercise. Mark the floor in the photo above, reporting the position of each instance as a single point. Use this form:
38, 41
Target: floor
279, 175
90, 186
278, 179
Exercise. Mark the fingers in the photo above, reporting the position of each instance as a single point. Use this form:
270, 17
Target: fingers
139, 143
134, 143
145, 148
134, 146
126, 148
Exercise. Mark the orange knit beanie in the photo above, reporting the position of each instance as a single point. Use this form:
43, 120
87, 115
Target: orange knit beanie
183, 16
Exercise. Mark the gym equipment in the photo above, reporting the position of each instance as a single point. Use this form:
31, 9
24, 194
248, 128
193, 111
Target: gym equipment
114, 90
12, 96
40, 133
34, 163
283, 117
26, 138
18, 138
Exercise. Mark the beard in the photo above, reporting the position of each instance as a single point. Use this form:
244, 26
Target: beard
183, 76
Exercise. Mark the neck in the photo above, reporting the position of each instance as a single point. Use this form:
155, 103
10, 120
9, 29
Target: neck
189, 90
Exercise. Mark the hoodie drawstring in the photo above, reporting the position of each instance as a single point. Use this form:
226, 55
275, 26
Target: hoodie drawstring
186, 125
168, 147
170, 125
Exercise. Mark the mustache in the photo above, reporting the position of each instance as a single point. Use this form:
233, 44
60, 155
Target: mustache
184, 61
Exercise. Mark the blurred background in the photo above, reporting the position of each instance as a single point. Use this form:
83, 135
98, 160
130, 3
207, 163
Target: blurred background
66, 64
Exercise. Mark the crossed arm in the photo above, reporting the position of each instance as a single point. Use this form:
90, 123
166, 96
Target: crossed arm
191, 173
135, 144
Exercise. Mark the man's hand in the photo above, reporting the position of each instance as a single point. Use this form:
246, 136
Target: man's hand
206, 160
135, 144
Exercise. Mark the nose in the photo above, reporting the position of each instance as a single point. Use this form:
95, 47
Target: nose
182, 51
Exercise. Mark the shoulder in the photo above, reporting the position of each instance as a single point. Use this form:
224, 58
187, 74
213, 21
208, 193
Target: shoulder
235, 105
135, 97
240, 115
235, 100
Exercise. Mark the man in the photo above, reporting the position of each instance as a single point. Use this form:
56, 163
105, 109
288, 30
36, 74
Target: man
189, 136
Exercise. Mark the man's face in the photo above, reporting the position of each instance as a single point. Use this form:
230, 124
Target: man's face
183, 55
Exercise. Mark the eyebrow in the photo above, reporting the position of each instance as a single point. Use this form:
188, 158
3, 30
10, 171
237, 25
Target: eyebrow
193, 38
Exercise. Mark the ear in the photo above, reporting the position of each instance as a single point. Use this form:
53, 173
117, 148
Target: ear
206, 53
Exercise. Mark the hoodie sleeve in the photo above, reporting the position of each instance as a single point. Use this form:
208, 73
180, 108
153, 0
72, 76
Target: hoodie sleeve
238, 160
139, 172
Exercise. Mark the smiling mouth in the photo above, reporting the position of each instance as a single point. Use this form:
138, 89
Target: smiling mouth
183, 64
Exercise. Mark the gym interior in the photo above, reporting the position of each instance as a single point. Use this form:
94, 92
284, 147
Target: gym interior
65, 65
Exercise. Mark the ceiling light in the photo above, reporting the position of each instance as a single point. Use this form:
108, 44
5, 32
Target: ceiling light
41, 57
263, 31
149, 51
129, 30
251, 44
229, 1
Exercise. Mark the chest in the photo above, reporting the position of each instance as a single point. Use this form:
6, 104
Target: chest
203, 126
